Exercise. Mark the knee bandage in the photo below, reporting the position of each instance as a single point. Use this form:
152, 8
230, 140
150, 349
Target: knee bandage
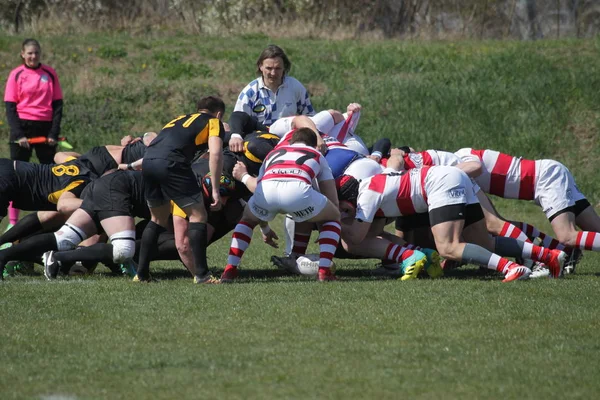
68, 237
123, 246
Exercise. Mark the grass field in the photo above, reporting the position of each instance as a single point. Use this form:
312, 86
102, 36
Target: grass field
277, 336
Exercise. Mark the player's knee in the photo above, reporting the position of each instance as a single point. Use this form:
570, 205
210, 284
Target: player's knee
123, 246
68, 237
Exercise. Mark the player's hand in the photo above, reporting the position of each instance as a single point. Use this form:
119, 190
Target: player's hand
239, 170
23, 142
126, 140
122, 167
51, 141
236, 144
217, 204
353, 107
374, 157
270, 238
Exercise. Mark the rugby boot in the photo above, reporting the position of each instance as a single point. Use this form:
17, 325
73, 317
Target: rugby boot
516, 272
412, 265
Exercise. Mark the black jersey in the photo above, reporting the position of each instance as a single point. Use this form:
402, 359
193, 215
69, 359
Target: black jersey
133, 152
256, 148
98, 160
41, 185
201, 168
181, 138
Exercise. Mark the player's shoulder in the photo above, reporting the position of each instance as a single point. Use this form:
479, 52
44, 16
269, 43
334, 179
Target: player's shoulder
15, 71
293, 83
48, 68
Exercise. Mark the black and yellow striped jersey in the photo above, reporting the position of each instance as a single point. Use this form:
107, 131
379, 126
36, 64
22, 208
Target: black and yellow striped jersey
180, 139
41, 185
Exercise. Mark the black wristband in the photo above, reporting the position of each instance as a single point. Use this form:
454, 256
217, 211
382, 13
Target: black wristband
130, 167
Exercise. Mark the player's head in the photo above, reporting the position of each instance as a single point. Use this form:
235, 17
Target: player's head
226, 186
347, 189
213, 105
304, 135
272, 65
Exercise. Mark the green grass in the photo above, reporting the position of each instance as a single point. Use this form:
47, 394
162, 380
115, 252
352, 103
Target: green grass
275, 336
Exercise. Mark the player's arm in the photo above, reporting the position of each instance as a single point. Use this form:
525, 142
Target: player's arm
65, 156
134, 166
240, 173
471, 168
327, 187
215, 165
355, 232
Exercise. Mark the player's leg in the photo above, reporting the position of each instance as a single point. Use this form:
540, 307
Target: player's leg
240, 240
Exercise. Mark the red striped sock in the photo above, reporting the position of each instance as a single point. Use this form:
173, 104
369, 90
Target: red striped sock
329, 238
300, 243
498, 263
588, 240
512, 231
242, 235
397, 253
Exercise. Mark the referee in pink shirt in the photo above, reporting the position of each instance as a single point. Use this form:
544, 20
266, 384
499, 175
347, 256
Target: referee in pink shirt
34, 104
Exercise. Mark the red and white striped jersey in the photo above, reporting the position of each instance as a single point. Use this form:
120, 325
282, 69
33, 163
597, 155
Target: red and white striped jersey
285, 139
504, 175
430, 158
392, 195
295, 162
333, 143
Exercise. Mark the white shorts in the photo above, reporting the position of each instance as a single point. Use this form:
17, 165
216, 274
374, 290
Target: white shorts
295, 198
363, 168
555, 188
323, 120
447, 186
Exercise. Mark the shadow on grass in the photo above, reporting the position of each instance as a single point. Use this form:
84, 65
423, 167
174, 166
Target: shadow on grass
276, 275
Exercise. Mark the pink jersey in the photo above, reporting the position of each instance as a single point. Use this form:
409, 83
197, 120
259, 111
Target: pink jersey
33, 90
504, 175
430, 158
295, 162
392, 195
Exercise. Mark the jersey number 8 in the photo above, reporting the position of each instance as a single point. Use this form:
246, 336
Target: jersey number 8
70, 170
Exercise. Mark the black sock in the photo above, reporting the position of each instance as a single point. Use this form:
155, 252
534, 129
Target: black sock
27, 225
197, 232
30, 249
147, 247
99, 252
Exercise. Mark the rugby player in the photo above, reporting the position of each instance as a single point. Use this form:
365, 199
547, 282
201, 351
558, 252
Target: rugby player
447, 194
168, 176
284, 186
550, 185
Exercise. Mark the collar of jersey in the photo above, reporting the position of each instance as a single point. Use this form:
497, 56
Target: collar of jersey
261, 83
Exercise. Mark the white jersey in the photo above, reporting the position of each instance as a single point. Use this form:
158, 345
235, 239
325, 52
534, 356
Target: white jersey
412, 192
504, 175
429, 158
296, 162
291, 98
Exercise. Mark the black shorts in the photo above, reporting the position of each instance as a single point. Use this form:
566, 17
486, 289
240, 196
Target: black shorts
170, 180
407, 223
9, 184
470, 213
108, 197
577, 209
